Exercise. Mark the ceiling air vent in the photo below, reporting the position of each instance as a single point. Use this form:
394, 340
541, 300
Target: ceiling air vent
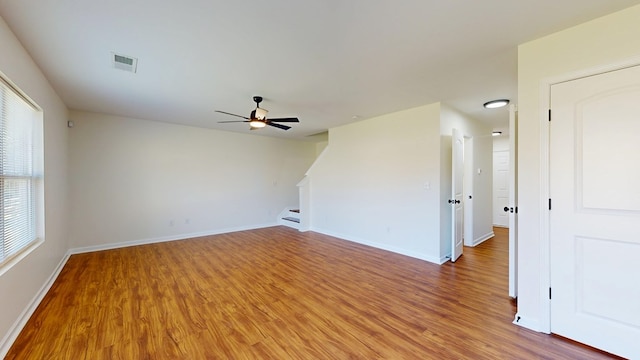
125, 63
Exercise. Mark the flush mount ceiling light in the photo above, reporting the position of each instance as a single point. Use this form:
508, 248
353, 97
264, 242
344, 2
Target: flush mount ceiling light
496, 133
496, 103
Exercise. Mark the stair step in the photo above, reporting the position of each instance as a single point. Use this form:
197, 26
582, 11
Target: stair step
295, 211
289, 218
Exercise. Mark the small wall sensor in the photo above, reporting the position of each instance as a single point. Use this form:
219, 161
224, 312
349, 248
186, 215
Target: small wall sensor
70, 124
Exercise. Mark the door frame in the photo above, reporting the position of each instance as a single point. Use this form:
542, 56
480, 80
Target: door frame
513, 201
545, 245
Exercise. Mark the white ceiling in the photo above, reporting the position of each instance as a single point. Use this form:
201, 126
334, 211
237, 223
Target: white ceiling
327, 62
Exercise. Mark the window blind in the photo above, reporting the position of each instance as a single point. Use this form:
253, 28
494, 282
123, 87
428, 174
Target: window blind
18, 180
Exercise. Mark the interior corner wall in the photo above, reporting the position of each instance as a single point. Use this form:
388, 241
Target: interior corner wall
377, 183
137, 181
27, 279
607, 40
482, 182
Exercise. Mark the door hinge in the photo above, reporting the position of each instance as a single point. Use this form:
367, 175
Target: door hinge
549, 114
549, 293
516, 209
549, 204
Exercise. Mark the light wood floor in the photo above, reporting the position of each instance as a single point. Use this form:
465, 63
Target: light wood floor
279, 294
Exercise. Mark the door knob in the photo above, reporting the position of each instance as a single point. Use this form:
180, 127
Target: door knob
506, 209
457, 202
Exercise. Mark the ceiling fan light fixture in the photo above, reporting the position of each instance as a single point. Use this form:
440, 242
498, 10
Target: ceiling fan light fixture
258, 118
257, 123
493, 104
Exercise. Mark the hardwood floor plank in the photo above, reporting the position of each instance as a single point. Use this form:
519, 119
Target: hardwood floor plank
277, 293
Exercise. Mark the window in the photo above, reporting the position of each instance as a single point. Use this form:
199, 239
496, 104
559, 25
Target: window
20, 173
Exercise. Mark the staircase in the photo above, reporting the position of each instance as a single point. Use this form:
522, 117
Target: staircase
290, 218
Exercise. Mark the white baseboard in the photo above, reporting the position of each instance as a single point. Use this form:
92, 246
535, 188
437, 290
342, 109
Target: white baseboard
80, 250
18, 325
393, 249
483, 238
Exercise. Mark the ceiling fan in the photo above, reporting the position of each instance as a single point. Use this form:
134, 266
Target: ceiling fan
258, 118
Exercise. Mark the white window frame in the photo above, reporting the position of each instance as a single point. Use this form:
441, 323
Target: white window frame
34, 177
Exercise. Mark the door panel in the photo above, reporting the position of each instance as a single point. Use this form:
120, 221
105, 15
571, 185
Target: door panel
457, 213
595, 211
500, 188
598, 157
595, 260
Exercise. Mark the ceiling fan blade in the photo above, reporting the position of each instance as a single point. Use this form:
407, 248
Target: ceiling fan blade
224, 112
223, 122
283, 127
285, 120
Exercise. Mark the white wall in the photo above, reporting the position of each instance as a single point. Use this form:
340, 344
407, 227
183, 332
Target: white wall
607, 40
24, 281
369, 184
482, 183
139, 181
385, 181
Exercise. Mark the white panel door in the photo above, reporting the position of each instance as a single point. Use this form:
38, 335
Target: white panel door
501, 188
457, 209
595, 211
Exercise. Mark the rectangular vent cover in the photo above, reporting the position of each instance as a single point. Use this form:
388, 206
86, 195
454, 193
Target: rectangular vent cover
125, 63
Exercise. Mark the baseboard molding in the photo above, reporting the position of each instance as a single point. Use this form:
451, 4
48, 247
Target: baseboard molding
392, 249
16, 328
177, 237
483, 238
